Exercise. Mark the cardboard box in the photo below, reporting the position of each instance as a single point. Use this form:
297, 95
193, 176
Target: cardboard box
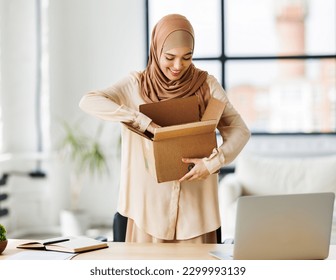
182, 135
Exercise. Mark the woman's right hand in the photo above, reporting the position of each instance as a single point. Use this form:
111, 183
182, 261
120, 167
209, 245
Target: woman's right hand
151, 128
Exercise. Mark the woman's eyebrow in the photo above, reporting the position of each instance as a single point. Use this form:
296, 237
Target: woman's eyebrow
167, 53
189, 53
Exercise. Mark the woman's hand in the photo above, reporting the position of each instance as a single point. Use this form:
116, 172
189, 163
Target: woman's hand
152, 126
198, 172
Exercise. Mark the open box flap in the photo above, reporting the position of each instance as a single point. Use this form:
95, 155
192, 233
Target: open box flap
184, 130
172, 112
214, 110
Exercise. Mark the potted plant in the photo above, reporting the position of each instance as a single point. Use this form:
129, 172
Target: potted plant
86, 157
3, 239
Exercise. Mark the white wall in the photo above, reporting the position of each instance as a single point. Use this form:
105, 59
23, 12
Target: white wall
92, 44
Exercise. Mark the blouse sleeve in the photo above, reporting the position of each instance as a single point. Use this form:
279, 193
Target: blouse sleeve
231, 127
115, 104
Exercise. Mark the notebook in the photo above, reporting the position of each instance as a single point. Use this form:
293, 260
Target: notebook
283, 227
65, 244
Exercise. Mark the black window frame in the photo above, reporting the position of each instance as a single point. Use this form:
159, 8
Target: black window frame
223, 59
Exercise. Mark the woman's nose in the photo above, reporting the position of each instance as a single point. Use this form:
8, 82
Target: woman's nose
178, 64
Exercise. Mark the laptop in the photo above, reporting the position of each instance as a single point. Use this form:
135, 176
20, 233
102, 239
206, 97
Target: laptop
283, 227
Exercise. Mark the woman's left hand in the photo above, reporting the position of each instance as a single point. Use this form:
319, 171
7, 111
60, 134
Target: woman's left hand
198, 172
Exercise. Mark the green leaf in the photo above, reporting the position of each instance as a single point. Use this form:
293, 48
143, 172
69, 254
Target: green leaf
84, 152
2, 233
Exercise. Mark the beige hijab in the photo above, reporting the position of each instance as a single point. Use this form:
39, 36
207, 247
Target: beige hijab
172, 31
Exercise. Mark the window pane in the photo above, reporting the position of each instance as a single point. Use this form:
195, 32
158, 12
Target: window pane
213, 67
263, 27
205, 17
284, 96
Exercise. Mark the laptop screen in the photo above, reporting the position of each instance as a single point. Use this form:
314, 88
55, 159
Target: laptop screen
294, 226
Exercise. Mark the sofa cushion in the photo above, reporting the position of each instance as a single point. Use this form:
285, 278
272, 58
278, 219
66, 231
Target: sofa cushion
276, 175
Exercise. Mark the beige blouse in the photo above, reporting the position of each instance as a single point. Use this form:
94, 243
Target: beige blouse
165, 210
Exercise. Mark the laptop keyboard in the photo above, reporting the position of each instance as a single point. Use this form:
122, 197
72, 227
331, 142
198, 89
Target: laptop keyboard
228, 241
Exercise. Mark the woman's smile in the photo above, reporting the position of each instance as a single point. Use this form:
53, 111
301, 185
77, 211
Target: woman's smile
175, 62
175, 72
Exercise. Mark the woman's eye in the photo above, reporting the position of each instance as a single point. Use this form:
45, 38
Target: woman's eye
169, 58
187, 58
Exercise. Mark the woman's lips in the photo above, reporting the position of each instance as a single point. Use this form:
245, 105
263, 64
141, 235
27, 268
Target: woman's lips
174, 72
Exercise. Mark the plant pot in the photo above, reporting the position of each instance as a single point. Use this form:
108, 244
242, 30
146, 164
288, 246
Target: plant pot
3, 245
74, 223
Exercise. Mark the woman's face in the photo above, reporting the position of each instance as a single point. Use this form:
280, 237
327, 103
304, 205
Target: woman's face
175, 62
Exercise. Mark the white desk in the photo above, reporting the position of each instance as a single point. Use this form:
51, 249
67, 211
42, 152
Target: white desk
147, 251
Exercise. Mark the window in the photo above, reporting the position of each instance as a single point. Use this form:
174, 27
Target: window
31, 58
275, 59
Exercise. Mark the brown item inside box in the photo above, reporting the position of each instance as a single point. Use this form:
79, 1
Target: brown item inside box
182, 135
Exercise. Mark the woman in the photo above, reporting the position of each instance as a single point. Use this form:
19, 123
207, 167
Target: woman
178, 211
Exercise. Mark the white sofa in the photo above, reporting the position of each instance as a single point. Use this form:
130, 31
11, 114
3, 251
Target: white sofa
262, 175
